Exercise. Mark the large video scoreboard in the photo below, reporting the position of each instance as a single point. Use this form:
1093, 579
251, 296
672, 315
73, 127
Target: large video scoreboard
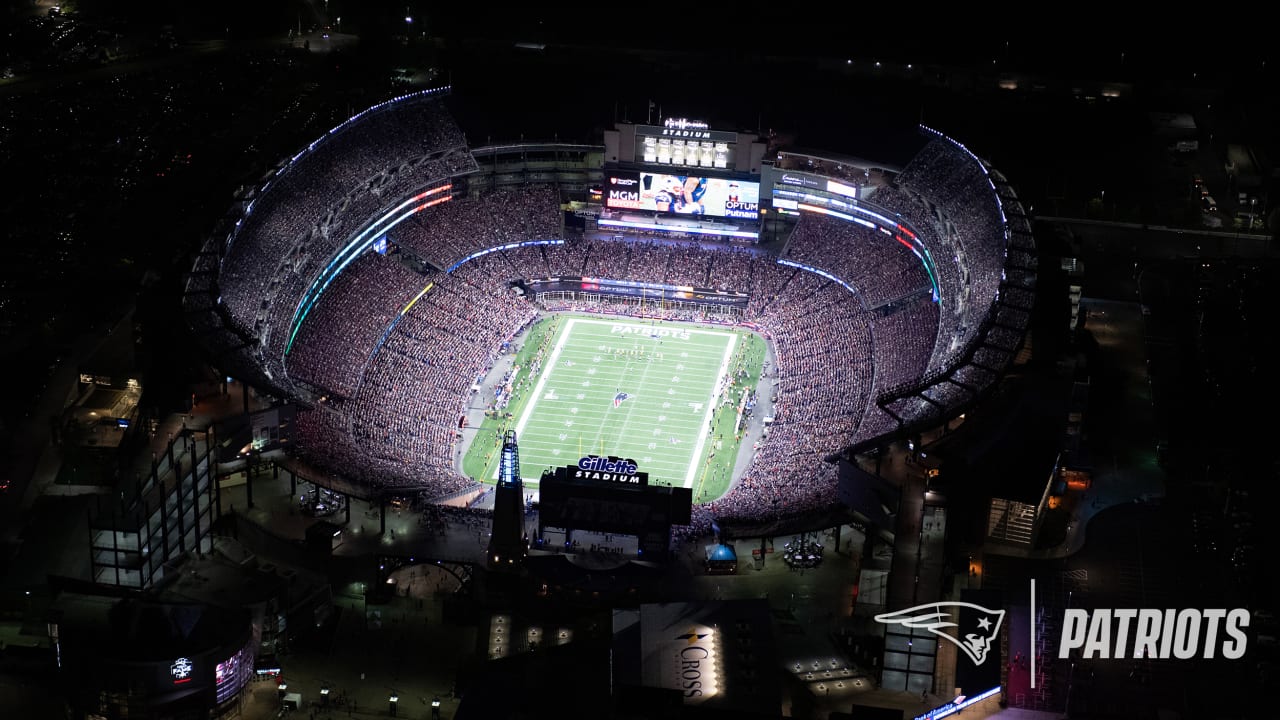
682, 194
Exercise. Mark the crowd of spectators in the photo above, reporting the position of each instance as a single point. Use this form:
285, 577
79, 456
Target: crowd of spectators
404, 379
311, 188
451, 231
401, 426
957, 188
905, 337
342, 331
298, 270
874, 263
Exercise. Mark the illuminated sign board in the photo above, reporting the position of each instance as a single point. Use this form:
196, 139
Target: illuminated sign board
683, 124
842, 189
795, 179
686, 130
695, 664
180, 671
683, 195
609, 469
800, 180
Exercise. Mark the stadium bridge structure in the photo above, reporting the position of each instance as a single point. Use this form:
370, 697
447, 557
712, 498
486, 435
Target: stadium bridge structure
889, 314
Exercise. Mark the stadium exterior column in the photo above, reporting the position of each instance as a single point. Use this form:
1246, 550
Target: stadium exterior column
382, 517
248, 487
164, 526
177, 475
348, 520
195, 499
215, 487
182, 526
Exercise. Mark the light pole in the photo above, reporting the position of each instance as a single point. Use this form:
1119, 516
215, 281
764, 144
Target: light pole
392, 701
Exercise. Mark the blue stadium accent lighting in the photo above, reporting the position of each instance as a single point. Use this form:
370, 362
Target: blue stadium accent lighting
825, 211
509, 463
830, 201
912, 244
362, 242
357, 246
816, 271
421, 93
981, 166
508, 246
952, 708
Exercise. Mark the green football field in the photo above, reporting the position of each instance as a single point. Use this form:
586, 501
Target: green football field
651, 391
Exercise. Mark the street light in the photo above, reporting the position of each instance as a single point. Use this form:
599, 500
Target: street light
391, 701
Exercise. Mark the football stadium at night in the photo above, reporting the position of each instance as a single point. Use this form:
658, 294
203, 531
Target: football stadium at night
431, 361
383, 277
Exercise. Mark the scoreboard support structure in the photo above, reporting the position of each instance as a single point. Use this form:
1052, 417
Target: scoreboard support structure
610, 495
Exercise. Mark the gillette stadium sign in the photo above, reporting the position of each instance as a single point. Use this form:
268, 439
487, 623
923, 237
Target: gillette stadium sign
609, 469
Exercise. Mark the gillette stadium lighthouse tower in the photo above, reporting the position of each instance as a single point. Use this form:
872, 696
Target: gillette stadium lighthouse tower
508, 543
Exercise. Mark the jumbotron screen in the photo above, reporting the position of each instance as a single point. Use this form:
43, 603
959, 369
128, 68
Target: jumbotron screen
683, 195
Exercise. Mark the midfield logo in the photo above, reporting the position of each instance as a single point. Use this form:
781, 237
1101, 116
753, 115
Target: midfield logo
936, 617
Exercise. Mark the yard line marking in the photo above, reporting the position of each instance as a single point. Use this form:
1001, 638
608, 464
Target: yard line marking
706, 416
542, 382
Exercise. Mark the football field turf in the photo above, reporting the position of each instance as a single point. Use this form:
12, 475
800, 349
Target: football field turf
633, 389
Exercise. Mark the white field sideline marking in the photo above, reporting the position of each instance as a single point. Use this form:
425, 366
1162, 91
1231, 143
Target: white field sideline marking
542, 382
665, 325
711, 406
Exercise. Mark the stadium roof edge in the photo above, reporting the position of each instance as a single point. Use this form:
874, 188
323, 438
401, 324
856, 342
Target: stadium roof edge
499, 149
839, 159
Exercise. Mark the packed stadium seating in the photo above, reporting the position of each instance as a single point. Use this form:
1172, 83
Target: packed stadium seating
851, 367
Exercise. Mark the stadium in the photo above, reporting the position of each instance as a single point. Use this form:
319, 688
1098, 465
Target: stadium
414, 297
